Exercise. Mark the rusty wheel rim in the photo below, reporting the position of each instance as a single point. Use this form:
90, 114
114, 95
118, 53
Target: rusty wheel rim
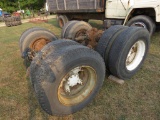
71, 93
38, 44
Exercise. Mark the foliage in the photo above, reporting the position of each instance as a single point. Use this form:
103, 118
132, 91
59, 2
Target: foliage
14, 5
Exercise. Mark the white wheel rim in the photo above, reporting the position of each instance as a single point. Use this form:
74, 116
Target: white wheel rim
77, 85
135, 55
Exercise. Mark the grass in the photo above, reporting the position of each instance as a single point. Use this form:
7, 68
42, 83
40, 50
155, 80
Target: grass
137, 99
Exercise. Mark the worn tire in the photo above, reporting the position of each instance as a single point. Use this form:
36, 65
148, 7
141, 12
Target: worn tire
143, 21
128, 52
49, 74
36, 35
50, 48
33, 41
7, 24
105, 43
54, 46
62, 20
29, 31
66, 26
76, 28
8, 21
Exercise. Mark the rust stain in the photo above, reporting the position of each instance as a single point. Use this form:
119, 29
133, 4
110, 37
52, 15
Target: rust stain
93, 37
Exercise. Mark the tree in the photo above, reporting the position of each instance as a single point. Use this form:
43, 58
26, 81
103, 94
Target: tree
12, 5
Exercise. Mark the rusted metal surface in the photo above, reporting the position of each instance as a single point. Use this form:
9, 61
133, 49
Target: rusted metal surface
89, 38
38, 44
93, 37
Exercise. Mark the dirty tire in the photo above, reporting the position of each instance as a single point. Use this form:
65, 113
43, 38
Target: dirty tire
143, 21
8, 21
62, 20
51, 47
29, 31
105, 43
128, 52
75, 27
8, 24
66, 26
33, 41
54, 46
49, 74
19, 22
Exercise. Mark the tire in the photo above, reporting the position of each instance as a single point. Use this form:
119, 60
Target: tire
76, 29
143, 21
128, 52
105, 43
8, 21
66, 26
51, 48
15, 20
19, 22
12, 21
54, 46
29, 31
33, 43
62, 20
50, 73
7, 24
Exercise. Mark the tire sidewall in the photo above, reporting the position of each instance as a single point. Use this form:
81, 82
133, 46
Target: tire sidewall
52, 90
145, 20
122, 70
34, 36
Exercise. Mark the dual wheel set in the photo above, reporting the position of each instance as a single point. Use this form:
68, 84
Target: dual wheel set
67, 75
12, 21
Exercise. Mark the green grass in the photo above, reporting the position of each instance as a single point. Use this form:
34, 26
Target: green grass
137, 99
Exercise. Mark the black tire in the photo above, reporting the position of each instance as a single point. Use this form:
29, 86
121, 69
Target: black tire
51, 48
62, 20
49, 74
105, 43
128, 52
76, 29
27, 32
66, 26
54, 46
143, 21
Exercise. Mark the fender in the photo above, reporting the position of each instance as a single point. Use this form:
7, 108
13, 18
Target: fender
144, 5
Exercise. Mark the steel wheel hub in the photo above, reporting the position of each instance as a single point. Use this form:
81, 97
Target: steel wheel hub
77, 85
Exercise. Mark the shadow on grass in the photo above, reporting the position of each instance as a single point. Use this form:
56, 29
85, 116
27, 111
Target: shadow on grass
34, 107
